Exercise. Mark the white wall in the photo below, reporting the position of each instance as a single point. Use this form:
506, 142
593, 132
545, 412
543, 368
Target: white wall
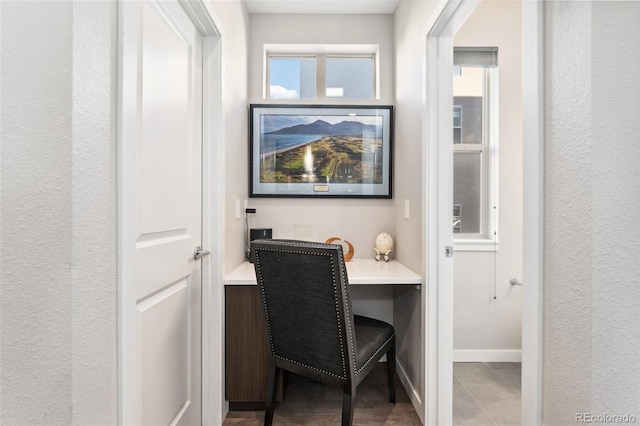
482, 325
233, 19
592, 235
58, 230
410, 35
356, 220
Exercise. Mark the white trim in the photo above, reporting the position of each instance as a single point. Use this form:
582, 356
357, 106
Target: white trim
476, 245
213, 402
214, 406
437, 202
127, 82
533, 206
479, 355
413, 394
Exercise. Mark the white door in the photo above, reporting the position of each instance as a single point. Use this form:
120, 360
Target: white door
167, 175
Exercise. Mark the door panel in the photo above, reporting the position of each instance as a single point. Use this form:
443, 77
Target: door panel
168, 216
165, 322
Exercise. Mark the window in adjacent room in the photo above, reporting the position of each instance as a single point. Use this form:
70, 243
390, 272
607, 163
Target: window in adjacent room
321, 72
475, 144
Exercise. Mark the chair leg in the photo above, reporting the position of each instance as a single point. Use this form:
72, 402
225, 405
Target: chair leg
270, 401
348, 401
391, 371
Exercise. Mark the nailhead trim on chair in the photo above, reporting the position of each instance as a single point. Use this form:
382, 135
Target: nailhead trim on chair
372, 356
335, 292
348, 315
310, 367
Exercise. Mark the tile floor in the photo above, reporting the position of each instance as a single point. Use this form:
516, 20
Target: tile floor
486, 394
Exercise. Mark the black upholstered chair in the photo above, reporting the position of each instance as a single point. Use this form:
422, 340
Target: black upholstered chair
311, 327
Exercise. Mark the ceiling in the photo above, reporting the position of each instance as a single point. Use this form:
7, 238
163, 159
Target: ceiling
322, 6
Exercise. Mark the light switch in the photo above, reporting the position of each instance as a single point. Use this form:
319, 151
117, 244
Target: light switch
406, 209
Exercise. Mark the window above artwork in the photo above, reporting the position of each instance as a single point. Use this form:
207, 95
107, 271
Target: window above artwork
321, 72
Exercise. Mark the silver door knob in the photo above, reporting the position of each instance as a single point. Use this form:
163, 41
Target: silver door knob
198, 253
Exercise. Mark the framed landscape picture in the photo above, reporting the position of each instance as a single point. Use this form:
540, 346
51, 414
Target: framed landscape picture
320, 151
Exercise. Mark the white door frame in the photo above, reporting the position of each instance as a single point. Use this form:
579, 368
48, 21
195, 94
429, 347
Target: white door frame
438, 299
213, 402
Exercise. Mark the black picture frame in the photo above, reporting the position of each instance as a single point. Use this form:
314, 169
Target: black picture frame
321, 151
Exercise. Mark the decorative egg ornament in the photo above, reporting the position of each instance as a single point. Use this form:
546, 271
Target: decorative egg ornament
384, 246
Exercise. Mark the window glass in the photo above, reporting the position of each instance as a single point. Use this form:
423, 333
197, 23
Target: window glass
292, 78
349, 78
470, 147
467, 192
468, 91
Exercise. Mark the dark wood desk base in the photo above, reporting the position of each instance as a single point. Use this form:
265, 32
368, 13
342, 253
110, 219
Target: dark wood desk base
245, 349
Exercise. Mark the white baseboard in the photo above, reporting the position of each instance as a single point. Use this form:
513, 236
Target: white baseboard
414, 396
462, 355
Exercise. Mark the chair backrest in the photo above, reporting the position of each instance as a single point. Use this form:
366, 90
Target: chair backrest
307, 304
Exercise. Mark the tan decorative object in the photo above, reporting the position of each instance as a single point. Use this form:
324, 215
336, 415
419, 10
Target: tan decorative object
349, 254
384, 246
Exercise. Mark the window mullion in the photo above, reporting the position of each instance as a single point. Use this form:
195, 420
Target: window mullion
469, 147
321, 76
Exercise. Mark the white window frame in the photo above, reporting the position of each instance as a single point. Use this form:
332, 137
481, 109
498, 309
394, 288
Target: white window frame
321, 53
488, 237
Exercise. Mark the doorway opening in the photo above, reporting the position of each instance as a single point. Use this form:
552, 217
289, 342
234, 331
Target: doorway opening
439, 347
487, 209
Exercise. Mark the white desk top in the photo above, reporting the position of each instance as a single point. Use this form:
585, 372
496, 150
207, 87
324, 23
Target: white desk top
360, 271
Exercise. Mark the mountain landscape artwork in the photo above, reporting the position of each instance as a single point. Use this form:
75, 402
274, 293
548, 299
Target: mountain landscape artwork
321, 149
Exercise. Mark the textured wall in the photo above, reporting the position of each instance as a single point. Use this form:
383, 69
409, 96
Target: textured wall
567, 265
615, 185
592, 240
94, 273
36, 228
58, 267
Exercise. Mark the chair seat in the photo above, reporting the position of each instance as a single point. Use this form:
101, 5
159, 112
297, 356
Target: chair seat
371, 335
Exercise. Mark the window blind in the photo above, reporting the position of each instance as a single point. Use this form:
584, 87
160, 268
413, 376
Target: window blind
484, 57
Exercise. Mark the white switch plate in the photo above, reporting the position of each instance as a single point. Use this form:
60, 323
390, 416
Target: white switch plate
238, 209
406, 209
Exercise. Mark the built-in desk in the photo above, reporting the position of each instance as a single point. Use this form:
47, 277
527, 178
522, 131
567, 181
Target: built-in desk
359, 271
245, 337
